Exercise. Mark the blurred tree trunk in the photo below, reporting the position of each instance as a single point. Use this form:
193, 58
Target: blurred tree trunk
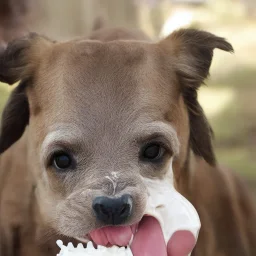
66, 18
61, 19
14, 17
250, 6
120, 12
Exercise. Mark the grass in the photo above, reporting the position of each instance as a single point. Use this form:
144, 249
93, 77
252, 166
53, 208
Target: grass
4, 92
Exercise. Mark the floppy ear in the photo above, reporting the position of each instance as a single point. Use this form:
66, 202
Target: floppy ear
18, 62
15, 118
191, 53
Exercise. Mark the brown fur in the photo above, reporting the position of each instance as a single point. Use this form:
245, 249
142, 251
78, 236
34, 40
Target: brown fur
103, 99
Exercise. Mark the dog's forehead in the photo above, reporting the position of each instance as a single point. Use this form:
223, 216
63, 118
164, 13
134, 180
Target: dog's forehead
99, 84
113, 69
117, 72
118, 52
119, 65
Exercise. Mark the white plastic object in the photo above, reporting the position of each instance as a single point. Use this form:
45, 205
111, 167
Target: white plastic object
173, 211
70, 250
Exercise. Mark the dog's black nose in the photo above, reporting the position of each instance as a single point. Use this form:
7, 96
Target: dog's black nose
113, 211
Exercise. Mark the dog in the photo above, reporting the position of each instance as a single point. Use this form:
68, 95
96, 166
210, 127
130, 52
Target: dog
90, 120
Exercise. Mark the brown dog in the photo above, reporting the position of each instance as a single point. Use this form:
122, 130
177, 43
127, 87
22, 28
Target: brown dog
91, 119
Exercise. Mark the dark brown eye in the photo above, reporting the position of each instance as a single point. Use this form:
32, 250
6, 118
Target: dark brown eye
61, 161
152, 152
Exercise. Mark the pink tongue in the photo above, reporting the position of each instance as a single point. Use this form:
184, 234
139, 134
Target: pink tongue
120, 236
149, 240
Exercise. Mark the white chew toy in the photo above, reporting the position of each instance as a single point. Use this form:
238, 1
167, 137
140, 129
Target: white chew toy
70, 250
173, 211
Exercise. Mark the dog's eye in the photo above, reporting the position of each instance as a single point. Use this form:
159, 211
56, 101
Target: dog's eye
61, 161
152, 152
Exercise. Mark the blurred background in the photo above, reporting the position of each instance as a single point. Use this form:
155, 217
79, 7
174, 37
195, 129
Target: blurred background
229, 99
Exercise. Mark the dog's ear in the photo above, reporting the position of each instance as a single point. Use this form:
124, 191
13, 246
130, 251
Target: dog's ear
20, 57
200, 130
191, 53
15, 117
17, 63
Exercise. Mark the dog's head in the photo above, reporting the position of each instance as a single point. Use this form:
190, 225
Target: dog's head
104, 119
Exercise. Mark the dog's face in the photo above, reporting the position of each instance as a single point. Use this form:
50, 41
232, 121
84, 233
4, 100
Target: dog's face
104, 119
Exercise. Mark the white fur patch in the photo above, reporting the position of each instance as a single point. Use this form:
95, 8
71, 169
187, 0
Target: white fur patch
114, 183
66, 133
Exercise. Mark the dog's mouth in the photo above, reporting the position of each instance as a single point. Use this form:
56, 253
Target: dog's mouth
144, 238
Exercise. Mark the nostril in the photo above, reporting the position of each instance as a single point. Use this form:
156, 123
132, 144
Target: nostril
127, 204
124, 211
99, 209
103, 209
98, 206
124, 208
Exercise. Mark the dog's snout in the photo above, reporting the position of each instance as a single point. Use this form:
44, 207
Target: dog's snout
113, 211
